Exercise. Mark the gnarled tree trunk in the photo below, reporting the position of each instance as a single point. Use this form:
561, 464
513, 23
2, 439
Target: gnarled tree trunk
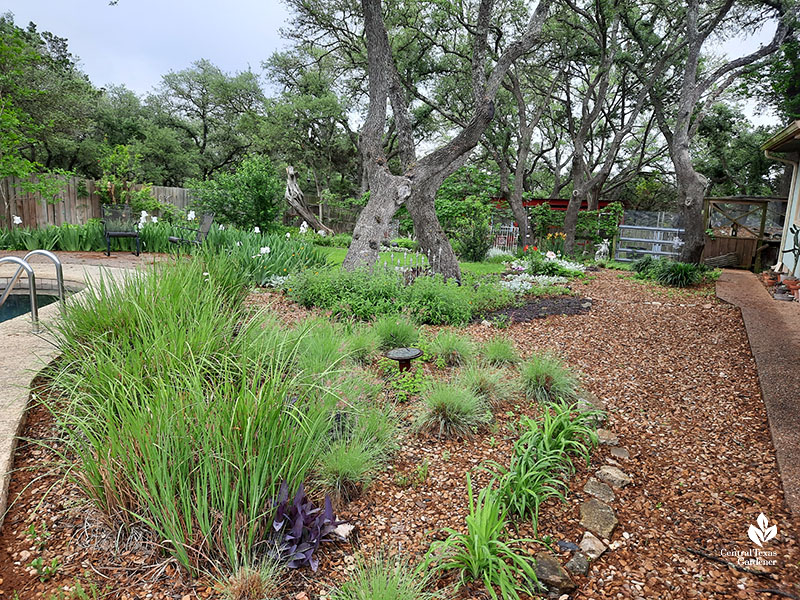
294, 196
420, 180
691, 195
431, 235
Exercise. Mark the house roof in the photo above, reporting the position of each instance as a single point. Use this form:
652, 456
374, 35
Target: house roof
786, 140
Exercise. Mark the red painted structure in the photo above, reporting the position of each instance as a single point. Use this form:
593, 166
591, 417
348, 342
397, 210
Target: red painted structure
555, 203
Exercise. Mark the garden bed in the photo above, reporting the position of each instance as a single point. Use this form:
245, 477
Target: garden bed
539, 308
676, 374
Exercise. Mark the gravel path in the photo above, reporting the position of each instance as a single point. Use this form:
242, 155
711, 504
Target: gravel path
676, 374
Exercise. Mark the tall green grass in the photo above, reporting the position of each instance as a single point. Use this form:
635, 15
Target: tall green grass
184, 414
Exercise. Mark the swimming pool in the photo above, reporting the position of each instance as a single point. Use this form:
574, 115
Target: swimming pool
20, 304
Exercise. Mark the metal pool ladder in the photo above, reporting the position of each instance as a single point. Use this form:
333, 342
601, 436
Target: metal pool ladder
24, 265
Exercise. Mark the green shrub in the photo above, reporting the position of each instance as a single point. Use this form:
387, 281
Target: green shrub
340, 240
396, 332
487, 294
451, 410
251, 196
484, 552
432, 301
679, 274
406, 243
451, 349
547, 379
359, 293
384, 578
492, 385
539, 265
499, 351
473, 240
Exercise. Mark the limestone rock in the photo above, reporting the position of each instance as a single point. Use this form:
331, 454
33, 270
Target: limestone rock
598, 518
599, 490
550, 573
620, 453
591, 546
607, 437
613, 477
578, 564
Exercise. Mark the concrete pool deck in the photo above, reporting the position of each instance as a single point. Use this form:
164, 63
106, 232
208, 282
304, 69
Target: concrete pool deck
23, 354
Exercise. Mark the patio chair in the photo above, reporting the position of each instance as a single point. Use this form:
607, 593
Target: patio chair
199, 234
118, 222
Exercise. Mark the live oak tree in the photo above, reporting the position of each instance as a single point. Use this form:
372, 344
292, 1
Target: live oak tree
416, 185
602, 96
216, 112
683, 96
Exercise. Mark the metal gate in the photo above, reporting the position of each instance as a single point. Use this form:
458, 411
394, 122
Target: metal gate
636, 241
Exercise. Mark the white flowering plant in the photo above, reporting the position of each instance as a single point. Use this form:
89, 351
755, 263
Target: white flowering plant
521, 283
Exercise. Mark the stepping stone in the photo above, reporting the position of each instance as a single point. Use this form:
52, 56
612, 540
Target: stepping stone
592, 403
550, 572
578, 564
607, 437
591, 546
613, 477
598, 518
620, 453
599, 490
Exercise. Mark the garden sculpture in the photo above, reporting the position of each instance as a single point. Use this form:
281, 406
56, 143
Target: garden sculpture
602, 250
795, 250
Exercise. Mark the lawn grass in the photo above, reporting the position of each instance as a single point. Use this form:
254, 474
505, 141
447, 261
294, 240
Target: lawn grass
336, 257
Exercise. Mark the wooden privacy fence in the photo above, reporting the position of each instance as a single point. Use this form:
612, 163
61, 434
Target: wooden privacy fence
76, 203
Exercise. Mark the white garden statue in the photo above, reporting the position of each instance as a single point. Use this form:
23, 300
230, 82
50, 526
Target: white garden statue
602, 251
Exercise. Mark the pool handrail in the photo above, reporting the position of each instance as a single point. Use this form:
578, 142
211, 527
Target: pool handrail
23, 266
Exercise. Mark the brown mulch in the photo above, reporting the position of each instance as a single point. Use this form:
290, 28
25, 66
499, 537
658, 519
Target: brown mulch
675, 371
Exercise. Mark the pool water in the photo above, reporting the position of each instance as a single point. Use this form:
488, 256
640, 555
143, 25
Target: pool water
20, 304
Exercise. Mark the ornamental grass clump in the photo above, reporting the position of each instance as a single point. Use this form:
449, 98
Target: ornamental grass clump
362, 437
546, 378
185, 413
346, 468
396, 332
253, 582
493, 385
362, 344
499, 351
451, 349
452, 410
385, 578
484, 552
320, 348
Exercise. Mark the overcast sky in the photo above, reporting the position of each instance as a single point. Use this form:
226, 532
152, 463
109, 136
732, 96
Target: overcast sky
138, 41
